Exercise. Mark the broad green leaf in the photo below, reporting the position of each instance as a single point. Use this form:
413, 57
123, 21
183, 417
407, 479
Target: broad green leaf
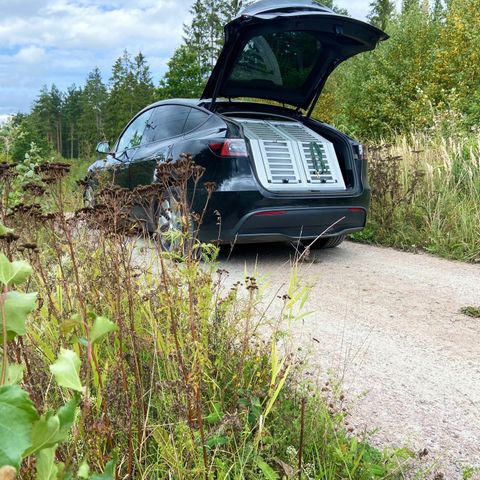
17, 307
108, 473
217, 440
66, 415
51, 429
101, 327
66, 369
268, 472
216, 415
46, 468
12, 273
83, 470
44, 432
4, 230
17, 415
14, 374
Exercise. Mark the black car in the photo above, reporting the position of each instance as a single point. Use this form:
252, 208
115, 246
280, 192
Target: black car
280, 175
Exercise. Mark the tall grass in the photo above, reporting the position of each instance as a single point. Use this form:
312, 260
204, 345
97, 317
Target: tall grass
426, 195
194, 381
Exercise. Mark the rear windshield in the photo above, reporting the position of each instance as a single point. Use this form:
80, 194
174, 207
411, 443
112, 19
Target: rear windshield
281, 59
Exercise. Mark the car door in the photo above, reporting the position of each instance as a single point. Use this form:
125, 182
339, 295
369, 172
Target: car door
163, 129
127, 146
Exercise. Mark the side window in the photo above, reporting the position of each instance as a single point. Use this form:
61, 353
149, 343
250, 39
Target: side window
133, 135
195, 118
166, 121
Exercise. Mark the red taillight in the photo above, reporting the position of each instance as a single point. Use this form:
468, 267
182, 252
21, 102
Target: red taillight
233, 147
269, 213
356, 210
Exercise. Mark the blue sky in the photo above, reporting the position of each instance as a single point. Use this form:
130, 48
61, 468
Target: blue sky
60, 41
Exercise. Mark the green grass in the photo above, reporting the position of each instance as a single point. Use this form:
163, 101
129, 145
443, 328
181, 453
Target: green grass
426, 196
471, 311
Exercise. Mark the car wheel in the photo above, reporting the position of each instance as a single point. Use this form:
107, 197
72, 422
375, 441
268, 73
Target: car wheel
170, 226
327, 242
88, 196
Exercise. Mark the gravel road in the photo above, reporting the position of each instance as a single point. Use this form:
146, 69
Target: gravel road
389, 324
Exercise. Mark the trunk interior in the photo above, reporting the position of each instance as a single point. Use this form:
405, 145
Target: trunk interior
290, 156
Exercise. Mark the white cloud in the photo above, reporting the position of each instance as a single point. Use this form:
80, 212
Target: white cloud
60, 41
31, 54
4, 118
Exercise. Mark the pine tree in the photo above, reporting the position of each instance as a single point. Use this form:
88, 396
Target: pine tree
71, 112
409, 5
47, 115
381, 13
204, 36
131, 89
93, 100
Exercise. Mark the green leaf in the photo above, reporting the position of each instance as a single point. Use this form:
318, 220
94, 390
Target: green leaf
17, 415
4, 230
83, 470
17, 307
108, 473
217, 440
14, 374
12, 273
216, 415
268, 472
44, 432
50, 429
101, 327
66, 415
46, 468
66, 369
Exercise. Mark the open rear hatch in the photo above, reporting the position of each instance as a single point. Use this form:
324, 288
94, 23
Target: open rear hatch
290, 156
284, 50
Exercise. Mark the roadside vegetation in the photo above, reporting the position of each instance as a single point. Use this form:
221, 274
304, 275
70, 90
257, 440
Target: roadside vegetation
122, 359
418, 92
119, 360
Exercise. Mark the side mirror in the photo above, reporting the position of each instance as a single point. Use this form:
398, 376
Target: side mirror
103, 147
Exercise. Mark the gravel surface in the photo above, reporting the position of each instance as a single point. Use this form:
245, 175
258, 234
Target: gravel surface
388, 323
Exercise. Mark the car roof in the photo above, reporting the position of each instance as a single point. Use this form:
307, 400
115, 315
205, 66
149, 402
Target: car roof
190, 102
268, 6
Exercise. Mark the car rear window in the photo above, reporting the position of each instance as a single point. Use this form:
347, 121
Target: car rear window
283, 59
166, 121
195, 118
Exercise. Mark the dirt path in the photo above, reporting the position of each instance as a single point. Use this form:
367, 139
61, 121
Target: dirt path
388, 322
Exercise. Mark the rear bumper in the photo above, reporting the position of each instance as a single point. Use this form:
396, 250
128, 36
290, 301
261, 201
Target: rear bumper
293, 224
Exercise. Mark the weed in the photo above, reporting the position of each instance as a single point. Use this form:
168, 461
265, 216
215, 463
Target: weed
174, 371
471, 311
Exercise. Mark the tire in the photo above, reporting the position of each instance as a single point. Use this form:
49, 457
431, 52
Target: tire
327, 242
169, 229
88, 196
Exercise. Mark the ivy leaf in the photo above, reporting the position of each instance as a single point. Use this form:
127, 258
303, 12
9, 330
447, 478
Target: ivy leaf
12, 273
101, 326
17, 415
66, 369
17, 307
46, 468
